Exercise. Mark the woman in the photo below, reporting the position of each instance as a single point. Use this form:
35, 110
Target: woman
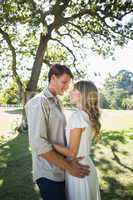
83, 126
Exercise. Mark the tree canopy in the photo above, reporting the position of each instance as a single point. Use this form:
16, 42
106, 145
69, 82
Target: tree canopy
30, 29
117, 92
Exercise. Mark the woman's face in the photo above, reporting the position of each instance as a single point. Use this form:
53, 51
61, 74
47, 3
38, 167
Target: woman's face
75, 96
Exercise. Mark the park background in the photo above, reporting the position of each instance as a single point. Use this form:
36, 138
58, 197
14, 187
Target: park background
93, 38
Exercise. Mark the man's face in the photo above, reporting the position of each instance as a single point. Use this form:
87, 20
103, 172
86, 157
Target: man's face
61, 83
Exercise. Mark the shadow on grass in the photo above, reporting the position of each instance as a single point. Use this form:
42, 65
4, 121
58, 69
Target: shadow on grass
111, 167
16, 179
114, 136
112, 189
114, 150
115, 190
15, 171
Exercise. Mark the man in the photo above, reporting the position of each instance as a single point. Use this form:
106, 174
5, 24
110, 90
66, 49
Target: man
46, 124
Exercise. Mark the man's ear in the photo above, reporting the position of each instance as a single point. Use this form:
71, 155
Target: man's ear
53, 77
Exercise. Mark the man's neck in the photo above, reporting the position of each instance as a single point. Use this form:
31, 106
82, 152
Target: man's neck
52, 90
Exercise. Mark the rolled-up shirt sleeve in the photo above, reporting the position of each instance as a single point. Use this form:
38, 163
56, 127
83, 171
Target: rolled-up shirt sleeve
37, 111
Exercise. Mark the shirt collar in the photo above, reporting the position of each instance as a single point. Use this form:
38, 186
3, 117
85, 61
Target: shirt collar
48, 93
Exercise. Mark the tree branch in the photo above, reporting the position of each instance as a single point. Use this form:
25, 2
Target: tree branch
11, 47
42, 14
36, 69
71, 52
126, 13
47, 62
73, 39
78, 28
59, 7
112, 28
80, 14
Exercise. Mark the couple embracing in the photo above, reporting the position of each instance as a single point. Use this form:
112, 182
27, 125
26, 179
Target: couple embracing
62, 166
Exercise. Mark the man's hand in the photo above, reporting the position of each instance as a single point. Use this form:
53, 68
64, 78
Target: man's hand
77, 169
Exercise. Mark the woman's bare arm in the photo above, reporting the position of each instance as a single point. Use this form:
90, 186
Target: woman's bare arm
74, 142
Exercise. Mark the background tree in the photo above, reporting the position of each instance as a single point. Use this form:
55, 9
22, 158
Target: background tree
10, 95
124, 80
127, 103
117, 92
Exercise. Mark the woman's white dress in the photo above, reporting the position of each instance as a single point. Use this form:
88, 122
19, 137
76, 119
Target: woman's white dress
82, 188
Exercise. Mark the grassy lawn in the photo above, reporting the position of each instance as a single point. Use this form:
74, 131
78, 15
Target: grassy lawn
114, 161
15, 170
112, 156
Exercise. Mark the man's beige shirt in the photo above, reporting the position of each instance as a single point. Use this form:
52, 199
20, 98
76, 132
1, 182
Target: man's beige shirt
46, 126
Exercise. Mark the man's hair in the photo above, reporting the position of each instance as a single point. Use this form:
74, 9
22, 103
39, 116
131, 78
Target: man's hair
58, 70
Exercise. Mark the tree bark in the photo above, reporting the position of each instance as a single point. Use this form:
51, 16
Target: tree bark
31, 88
36, 70
27, 95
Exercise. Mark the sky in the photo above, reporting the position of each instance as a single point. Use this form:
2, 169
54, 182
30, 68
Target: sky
123, 60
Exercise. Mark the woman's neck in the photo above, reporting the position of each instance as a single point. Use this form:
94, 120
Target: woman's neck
79, 106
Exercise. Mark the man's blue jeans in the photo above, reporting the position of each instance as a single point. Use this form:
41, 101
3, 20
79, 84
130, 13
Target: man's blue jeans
51, 190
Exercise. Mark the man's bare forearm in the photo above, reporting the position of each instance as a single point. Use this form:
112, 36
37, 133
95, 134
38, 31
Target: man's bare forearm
55, 158
72, 167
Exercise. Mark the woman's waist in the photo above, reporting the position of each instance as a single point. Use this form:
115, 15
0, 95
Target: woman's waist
86, 159
84, 154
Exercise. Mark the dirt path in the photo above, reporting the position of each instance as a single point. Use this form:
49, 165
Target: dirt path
110, 119
8, 117
113, 119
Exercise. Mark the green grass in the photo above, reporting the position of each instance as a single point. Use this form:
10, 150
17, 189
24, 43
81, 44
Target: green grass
15, 170
112, 156
114, 161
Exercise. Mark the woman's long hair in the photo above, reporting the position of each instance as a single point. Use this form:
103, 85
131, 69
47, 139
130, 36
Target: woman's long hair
90, 104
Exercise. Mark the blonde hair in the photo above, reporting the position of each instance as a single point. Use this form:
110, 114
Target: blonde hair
90, 104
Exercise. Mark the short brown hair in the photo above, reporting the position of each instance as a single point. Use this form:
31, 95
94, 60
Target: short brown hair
58, 70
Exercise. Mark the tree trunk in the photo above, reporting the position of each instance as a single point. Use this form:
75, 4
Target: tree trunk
27, 95
36, 70
31, 89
